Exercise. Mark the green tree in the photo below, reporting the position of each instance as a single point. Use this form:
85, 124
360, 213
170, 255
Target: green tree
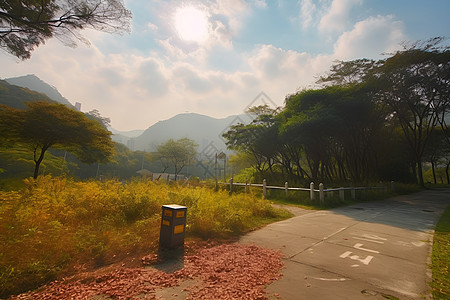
437, 152
414, 83
258, 139
178, 153
44, 125
336, 129
346, 73
25, 25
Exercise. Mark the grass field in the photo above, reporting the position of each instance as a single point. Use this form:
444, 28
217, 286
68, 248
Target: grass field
54, 227
441, 258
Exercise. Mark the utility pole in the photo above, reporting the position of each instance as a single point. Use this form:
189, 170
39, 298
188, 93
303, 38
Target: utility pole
215, 172
224, 157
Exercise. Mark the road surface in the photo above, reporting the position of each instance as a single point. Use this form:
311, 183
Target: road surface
370, 250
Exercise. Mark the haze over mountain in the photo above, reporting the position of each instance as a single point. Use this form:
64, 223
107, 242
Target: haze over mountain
16, 96
203, 130
34, 83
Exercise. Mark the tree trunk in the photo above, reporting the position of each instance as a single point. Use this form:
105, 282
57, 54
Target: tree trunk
434, 172
38, 161
414, 171
446, 172
420, 172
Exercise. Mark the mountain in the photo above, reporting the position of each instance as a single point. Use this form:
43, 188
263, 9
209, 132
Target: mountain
130, 134
34, 83
16, 96
124, 137
204, 130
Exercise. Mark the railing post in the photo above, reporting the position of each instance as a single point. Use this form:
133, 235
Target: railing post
342, 194
286, 188
264, 188
246, 187
321, 194
231, 185
392, 186
311, 192
353, 193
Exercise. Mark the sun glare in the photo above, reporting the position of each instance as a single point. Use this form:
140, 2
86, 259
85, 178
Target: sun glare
191, 24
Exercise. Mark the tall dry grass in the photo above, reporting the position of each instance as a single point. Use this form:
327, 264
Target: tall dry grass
54, 226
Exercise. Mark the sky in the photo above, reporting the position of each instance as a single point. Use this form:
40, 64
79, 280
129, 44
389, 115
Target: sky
217, 57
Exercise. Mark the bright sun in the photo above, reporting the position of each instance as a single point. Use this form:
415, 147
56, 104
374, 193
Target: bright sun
191, 24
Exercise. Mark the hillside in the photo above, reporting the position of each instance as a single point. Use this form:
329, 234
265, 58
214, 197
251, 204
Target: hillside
16, 96
34, 83
204, 130
124, 136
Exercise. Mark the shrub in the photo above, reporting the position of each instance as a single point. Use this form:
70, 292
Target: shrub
53, 225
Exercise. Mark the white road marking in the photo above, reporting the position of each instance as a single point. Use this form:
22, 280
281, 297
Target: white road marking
373, 237
330, 279
365, 261
367, 240
342, 229
418, 244
359, 246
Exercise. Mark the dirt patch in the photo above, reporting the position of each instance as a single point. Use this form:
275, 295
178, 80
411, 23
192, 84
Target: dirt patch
200, 271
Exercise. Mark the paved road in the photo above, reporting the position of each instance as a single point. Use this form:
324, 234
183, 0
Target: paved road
365, 251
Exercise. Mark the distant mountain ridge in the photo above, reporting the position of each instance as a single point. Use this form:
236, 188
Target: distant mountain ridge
16, 96
203, 130
34, 83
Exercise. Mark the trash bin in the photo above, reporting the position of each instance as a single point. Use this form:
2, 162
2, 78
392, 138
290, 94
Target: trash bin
173, 226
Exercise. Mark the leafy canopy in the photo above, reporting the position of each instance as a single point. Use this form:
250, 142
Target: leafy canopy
24, 25
44, 125
178, 153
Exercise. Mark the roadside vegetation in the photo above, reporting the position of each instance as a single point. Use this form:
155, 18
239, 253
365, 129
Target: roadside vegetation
332, 199
368, 122
441, 257
54, 227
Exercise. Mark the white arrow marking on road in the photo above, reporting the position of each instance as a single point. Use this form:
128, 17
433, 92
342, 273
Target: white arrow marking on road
359, 246
374, 237
367, 240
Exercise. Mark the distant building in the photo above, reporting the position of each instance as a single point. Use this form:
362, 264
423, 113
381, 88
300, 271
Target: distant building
130, 144
78, 106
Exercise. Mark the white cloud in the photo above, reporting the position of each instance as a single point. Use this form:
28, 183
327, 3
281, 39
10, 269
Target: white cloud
220, 35
233, 10
136, 91
284, 71
152, 27
307, 12
151, 79
136, 87
260, 3
370, 38
336, 19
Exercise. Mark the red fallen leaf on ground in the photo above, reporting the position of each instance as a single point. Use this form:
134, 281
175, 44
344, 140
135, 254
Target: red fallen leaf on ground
222, 271
150, 259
